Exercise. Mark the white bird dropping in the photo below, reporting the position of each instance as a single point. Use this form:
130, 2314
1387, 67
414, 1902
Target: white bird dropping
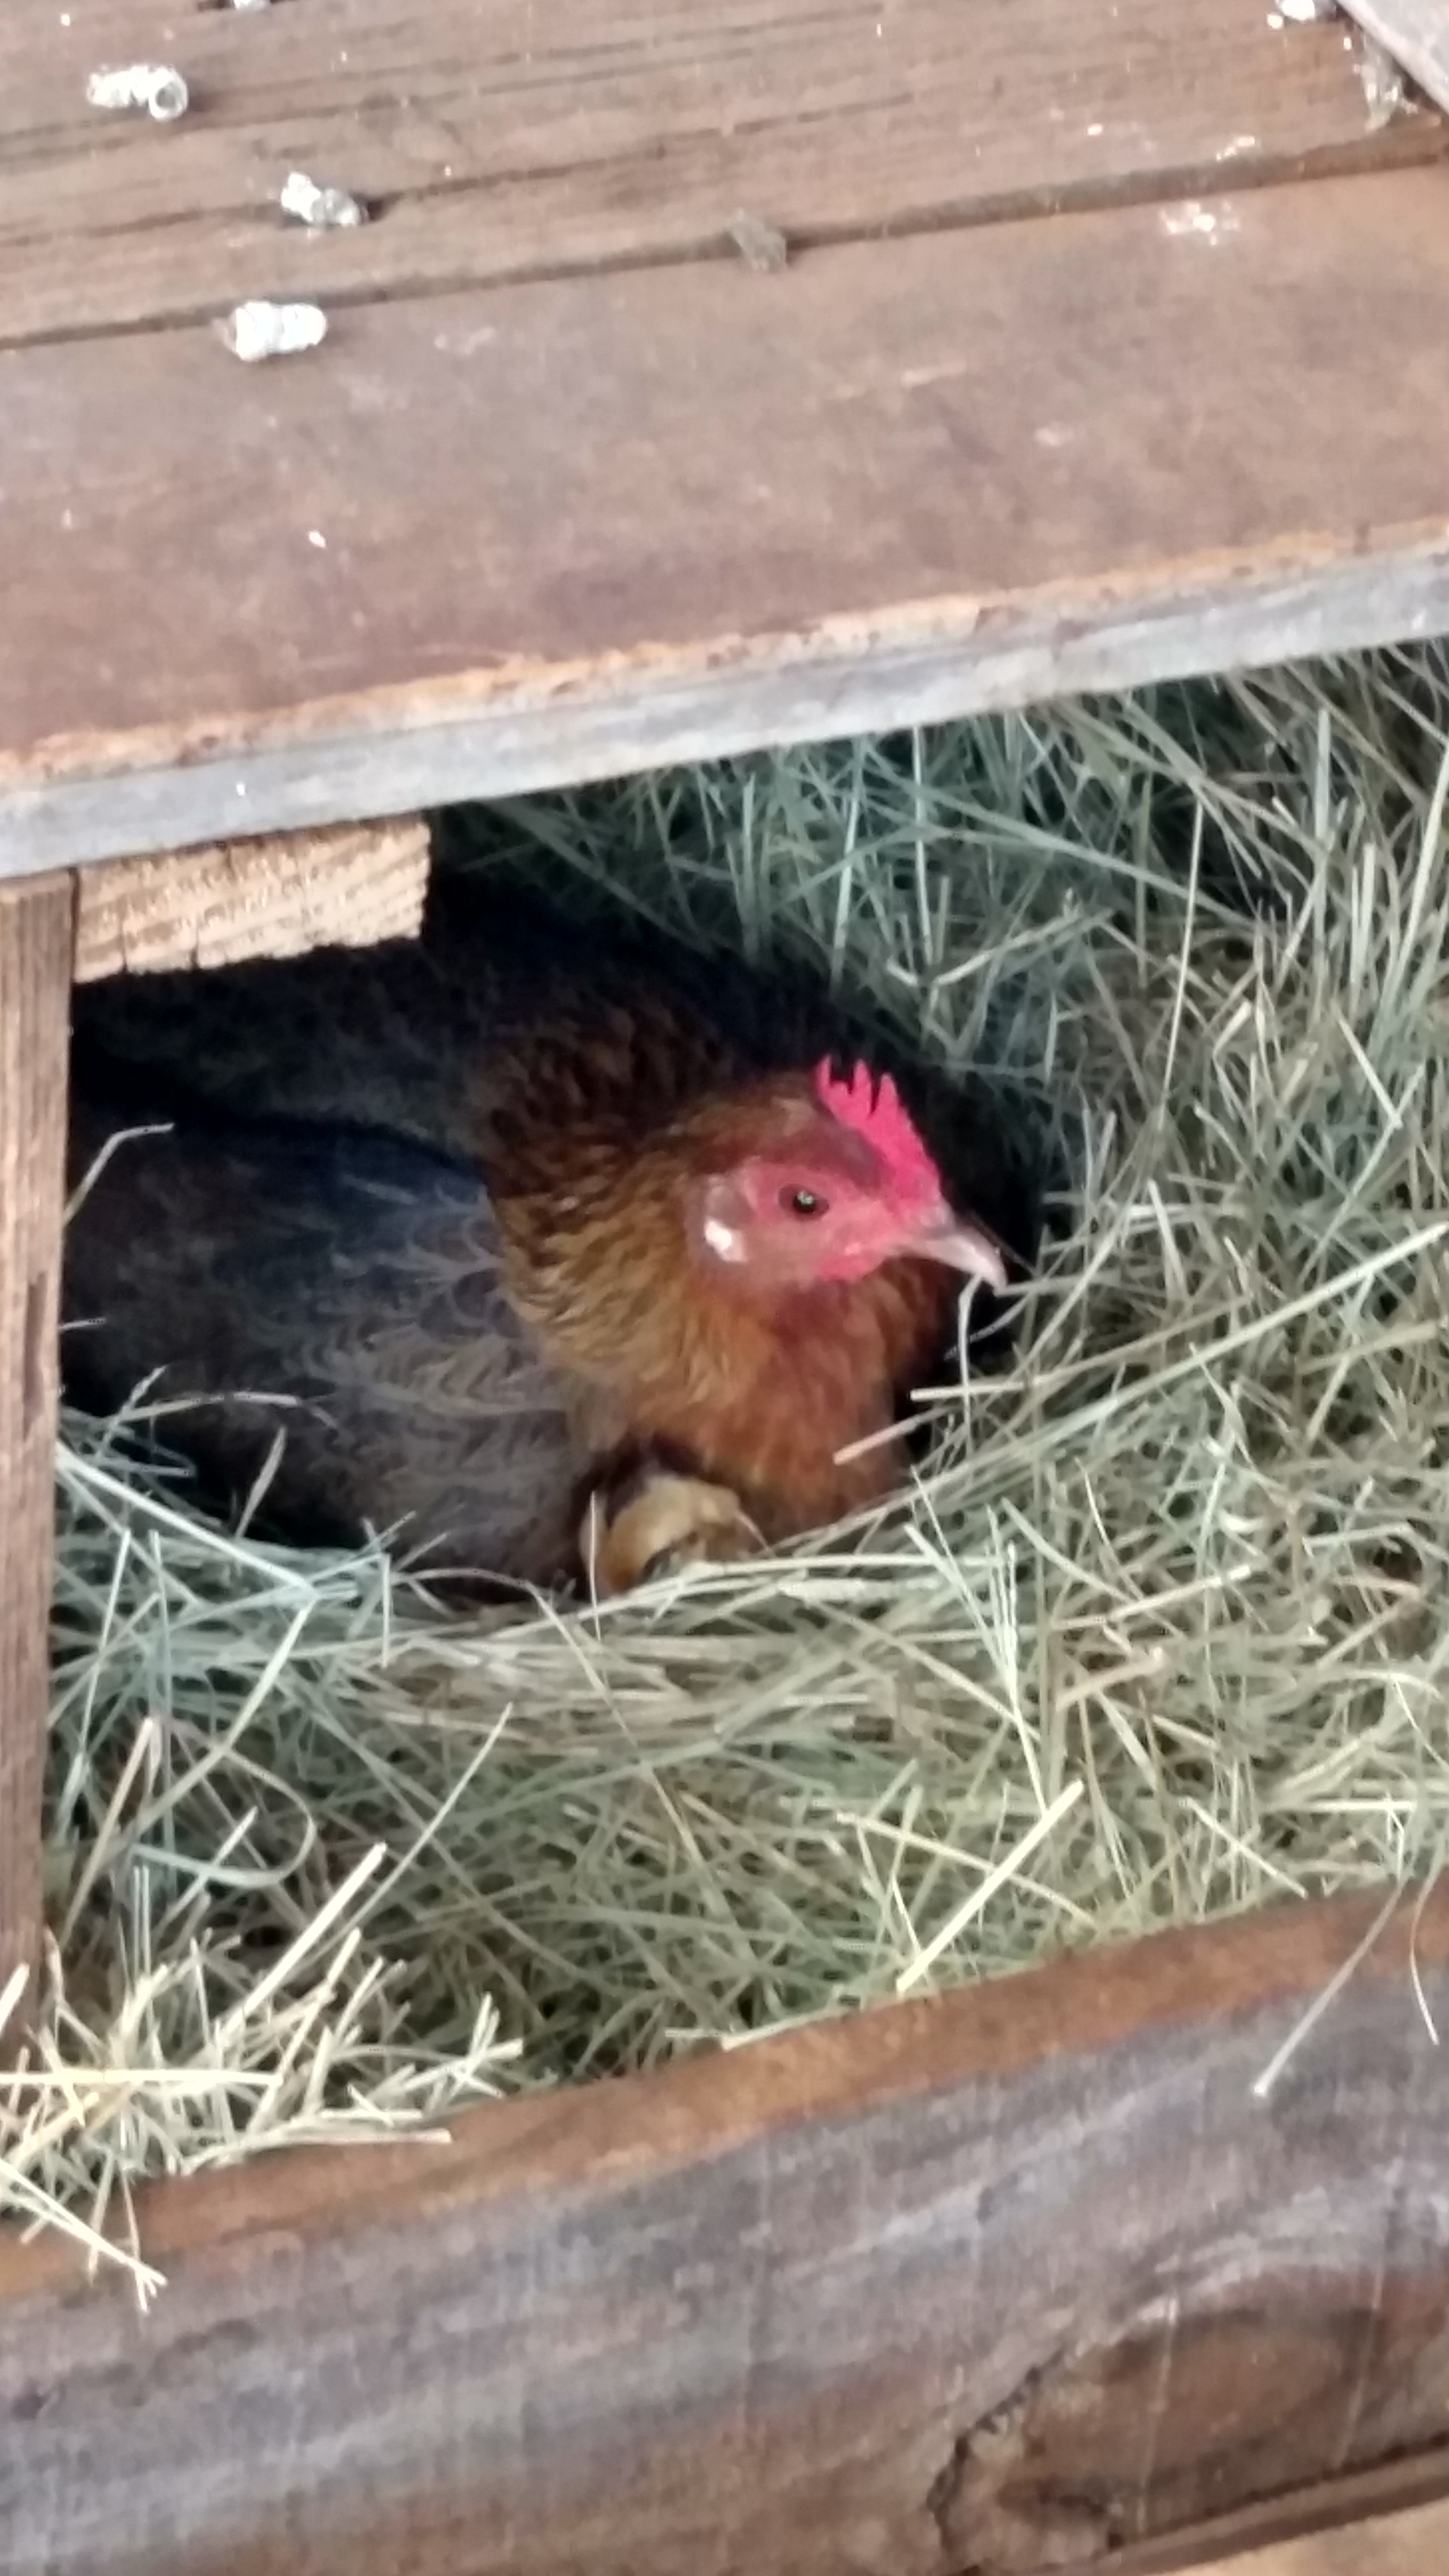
322, 210
259, 330
158, 87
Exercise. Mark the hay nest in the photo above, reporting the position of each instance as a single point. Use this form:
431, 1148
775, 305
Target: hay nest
1159, 1635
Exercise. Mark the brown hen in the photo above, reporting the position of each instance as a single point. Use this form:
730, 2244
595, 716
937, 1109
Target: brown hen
508, 1214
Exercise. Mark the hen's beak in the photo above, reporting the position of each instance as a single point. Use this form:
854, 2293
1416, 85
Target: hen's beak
964, 1246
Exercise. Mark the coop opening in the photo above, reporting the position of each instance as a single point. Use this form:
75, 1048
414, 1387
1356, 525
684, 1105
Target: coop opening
1072, 1083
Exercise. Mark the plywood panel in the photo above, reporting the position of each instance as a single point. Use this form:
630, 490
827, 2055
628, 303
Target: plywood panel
542, 533
494, 139
995, 2283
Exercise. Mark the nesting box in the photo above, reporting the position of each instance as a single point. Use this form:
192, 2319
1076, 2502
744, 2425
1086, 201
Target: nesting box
701, 381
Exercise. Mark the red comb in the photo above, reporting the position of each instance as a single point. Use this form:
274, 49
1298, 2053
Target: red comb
876, 1111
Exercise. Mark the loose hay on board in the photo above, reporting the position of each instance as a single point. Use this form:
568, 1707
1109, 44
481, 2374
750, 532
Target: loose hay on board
1161, 1633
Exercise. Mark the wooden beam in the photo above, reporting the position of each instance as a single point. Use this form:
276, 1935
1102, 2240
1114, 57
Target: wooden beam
1000, 2282
35, 956
1402, 2496
493, 146
1416, 34
691, 509
1389, 2544
277, 896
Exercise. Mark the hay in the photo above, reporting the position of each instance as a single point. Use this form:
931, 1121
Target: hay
1161, 1634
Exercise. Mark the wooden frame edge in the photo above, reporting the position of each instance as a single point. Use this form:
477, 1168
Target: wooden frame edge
924, 663
1011, 2278
1373, 2512
36, 936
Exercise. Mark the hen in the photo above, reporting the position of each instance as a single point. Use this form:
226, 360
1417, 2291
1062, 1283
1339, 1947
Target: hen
510, 1215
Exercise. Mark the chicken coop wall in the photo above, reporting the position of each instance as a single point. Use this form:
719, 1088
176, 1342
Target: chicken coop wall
961, 2254
1033, 2276
1027, 2278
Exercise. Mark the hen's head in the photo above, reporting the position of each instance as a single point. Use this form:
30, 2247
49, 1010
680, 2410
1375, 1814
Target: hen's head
835, 1181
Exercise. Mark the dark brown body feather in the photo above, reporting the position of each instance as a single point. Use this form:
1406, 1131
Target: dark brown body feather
358, 1277
539, 1271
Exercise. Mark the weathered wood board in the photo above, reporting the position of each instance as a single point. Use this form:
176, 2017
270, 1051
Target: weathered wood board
569, 489
1412, 2543
35, 954
989, 2284
901, 477
1298, 2533
492, 140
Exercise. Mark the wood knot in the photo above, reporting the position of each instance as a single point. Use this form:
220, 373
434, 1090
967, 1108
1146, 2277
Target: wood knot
1170, 2423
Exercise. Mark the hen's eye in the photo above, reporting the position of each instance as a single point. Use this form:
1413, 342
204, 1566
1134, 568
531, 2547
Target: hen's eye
803, 1203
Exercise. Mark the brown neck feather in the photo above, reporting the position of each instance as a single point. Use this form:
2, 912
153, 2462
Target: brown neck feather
761, 1389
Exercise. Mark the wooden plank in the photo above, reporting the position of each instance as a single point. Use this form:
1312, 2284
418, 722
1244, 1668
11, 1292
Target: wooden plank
277, 896
1415, 33
495, 141
35, 952
1399, 2495
1410, 2544
1398, 2544
1404, 2544
990, 2283
685, 510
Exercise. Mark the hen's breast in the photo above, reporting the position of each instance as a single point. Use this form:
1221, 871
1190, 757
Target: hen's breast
355, 1277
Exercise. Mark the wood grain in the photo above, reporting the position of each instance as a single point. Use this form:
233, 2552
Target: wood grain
494, 140
35, 953
276, 896
987, 2284
1415, 33
673, 512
